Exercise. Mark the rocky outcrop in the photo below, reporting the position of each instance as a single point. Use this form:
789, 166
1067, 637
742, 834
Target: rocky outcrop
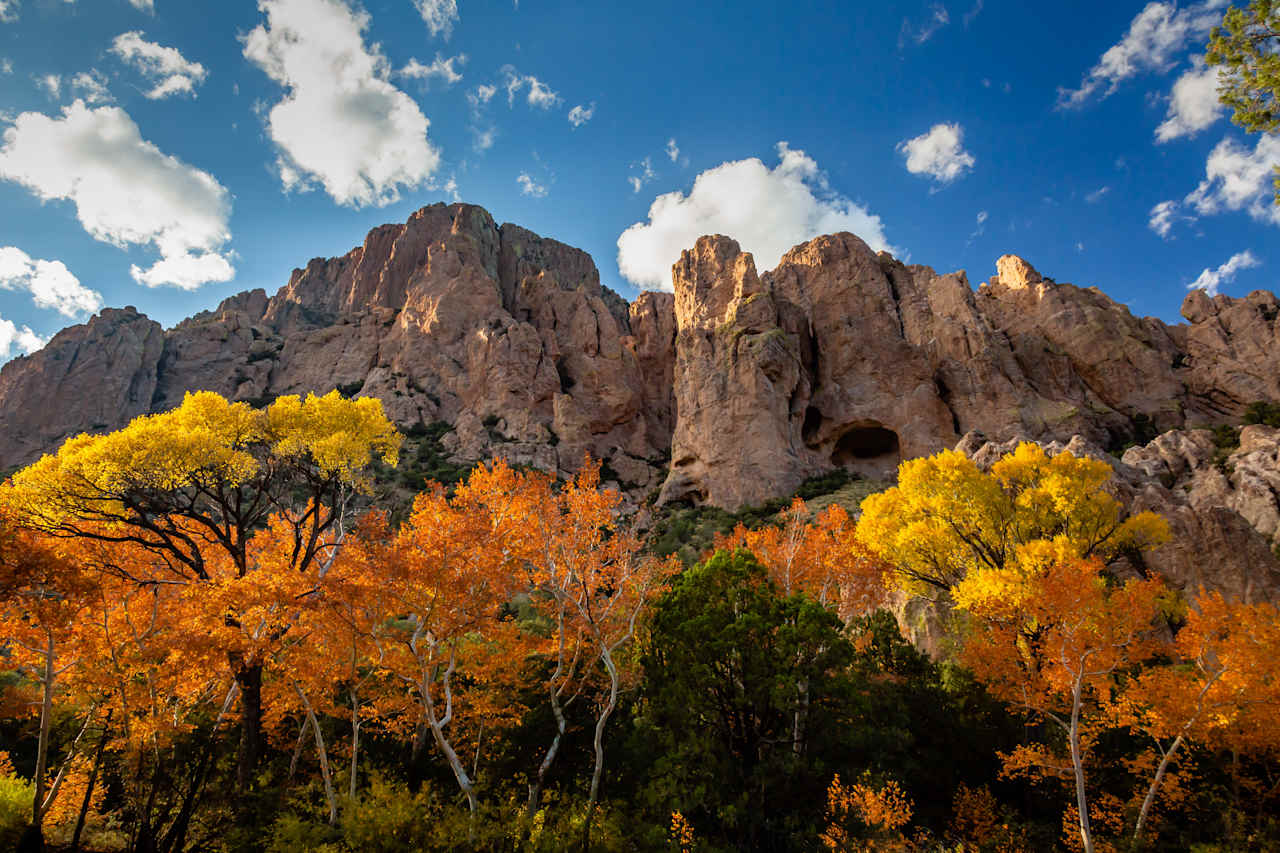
95, 376
894, 361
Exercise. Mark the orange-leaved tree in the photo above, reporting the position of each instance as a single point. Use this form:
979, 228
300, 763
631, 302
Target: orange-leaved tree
44, 593
1222, 688
588, 575
822, 557
1059, 644
447, 576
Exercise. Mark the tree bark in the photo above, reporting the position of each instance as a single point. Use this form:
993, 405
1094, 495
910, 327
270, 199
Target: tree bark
1077, 765
93, 780
249, 678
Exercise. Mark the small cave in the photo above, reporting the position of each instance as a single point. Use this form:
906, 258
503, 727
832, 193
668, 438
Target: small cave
812, 423
566, 379
872, 451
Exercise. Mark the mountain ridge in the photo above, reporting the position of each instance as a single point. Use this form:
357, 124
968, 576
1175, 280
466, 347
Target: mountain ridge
730, 390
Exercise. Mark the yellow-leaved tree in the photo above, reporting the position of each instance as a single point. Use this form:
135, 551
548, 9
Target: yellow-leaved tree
948, 521
194, 485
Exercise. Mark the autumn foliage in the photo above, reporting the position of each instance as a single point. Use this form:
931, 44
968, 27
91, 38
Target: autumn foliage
214, 638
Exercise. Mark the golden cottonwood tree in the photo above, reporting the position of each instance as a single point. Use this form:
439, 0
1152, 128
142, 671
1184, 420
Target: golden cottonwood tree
195, 484
947, 518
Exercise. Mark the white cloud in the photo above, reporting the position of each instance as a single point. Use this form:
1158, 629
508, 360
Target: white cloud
92, 87
439, 15
52, 85
766, 210
482, 127
646, 174
530, 187
12, 337
340, 123
1193, 103
148, 6
1210, 280
1161, 218
540, 94
169, 71
442, 68
126, 191
580, 115
981, 226
8, 12
673, 150
936, 19
1239, 179
1156, 36
938, 153
973, 13
1097, 195
50, 283
1079, 246
6, 66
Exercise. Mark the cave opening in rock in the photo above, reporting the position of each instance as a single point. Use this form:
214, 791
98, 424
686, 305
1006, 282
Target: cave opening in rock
870, 450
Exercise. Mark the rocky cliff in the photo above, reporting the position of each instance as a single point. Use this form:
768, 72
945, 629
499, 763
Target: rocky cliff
732, 390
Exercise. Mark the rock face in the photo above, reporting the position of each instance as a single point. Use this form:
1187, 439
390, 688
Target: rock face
96, 376
878, 361
745, 381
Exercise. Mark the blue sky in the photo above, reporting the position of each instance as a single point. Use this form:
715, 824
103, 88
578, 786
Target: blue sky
166, 154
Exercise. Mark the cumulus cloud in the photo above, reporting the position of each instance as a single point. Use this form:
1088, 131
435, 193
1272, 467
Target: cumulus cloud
935, 19
442, 68
1210, 280
539, 94
1097, 195
767, 210
580, 115
8, 12
50, 283
6, 66
673, 150
644, 176
169, 71
1193, 103
1239, 179
530, 187
341, 123
125, 189
938, 153
439, 15
91, 86
52, 85
147, 6
1162, 216
1155, 38
12, 338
